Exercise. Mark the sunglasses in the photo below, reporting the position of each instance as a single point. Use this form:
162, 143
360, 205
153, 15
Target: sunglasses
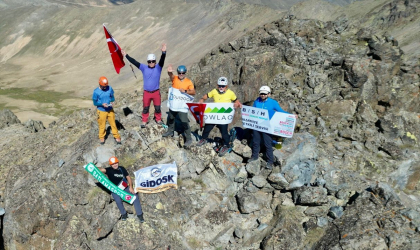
221, 86
181, 73
151, 61
263, 94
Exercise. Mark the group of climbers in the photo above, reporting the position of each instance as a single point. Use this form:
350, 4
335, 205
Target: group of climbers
103, 98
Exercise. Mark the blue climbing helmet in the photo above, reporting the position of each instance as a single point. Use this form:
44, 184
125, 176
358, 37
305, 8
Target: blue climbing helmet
181, 69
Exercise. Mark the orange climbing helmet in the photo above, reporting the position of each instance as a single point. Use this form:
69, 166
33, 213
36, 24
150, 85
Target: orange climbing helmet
113, 160
103, 81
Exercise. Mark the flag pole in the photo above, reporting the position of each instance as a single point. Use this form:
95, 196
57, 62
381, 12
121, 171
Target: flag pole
133, 71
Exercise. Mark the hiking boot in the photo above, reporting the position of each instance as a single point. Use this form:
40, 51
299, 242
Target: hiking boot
201, 142
118, 140
168, 134
188, 143
140, 218
124, 217
159, 122
252, 159
143, 124
269, 166
223, 150
102, 141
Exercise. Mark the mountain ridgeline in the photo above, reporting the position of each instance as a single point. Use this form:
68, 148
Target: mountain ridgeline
349, 178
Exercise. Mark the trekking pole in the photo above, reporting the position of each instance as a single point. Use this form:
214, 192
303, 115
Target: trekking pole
146, 142
133, 71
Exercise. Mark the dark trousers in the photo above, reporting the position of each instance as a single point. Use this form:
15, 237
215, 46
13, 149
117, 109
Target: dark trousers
120, 205
223, 130
267, 139
183, 117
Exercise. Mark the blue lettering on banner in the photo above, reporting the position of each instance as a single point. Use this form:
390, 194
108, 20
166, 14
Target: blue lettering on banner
163, 180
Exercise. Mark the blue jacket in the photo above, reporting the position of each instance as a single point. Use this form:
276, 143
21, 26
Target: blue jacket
103, 96
269, 104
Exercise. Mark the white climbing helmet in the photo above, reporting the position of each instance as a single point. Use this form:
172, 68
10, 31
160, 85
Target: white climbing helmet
265, 90
223, 81
151, 57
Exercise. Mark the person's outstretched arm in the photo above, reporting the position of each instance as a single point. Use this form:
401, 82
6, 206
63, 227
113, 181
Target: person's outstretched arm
130, 59
171, 72
163, 56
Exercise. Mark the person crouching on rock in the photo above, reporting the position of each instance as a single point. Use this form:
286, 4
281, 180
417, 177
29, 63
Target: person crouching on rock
103, 98
117, 174
186, 86
220, 95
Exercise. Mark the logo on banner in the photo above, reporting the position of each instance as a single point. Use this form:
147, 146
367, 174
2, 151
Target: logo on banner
197, 109
90, 168
219, 111
155, 172
128, 197
261, 114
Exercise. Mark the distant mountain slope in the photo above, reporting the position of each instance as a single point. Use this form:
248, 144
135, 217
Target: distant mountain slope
56, 47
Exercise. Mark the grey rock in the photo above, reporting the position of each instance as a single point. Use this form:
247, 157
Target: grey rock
34, 126
322, 221
8, 118
249, 203
277, 180
336, 212
259, 181
253, 168
242, 175
61, 163
310, 196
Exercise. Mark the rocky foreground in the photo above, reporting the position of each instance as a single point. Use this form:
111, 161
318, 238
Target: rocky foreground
348, 179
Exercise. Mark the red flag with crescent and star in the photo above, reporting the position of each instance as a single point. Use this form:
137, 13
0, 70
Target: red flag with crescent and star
197, 109
115, 50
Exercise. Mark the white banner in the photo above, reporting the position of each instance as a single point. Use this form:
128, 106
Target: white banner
281, 124
178, 100
219, 113
156, 178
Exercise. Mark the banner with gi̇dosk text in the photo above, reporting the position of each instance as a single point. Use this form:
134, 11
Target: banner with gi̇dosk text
281, 124
156, 178
219, 113
177, 101
101, 177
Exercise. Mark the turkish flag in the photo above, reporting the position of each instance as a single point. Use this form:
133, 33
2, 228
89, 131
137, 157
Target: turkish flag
197, 109
115, 50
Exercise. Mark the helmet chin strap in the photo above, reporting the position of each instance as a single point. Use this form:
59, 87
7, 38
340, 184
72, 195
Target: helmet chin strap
221, 92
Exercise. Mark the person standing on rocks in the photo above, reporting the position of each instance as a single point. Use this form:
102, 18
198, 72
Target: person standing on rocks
117, 174
264, 102
220, 95
184, 85
151, 84
103, 98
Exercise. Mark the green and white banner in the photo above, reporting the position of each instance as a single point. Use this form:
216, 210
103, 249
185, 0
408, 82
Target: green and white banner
219, 113
101, 177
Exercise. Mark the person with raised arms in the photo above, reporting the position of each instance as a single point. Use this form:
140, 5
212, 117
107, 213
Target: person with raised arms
103, 98
221, 94
264, 102
151, 84
119, 176
184, 85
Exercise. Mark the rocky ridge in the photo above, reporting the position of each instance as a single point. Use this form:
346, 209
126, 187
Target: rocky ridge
348, 179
